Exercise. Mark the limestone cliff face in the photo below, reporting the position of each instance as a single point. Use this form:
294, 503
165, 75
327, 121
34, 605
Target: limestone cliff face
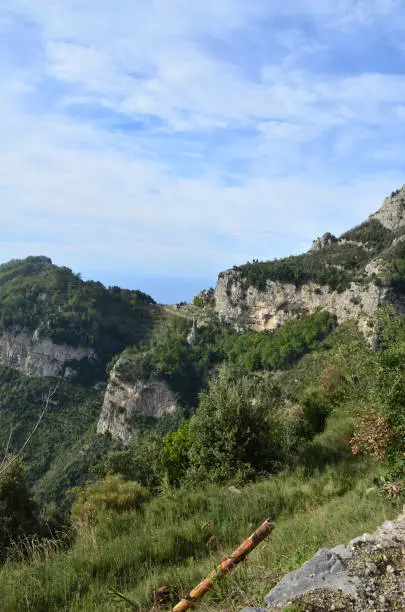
41, 357
123, 401
247, 307
263, 310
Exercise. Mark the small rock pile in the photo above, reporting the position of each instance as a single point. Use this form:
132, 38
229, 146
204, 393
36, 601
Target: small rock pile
367, 574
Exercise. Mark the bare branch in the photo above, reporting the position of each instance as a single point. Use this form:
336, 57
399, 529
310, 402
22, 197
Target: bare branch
7, 447
4, 464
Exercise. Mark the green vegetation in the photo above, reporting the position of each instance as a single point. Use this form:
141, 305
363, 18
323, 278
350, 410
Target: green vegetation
335, 266
36, 295
65, 444
187, 369
302, 424
167, 544
111, 495
371, 233
273, 350
17, 508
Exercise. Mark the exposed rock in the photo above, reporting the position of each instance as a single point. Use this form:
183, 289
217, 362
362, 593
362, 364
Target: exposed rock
205, 297
392, 213
192, 336
326, 570
323, 242
36, 356
368, 573
124, 401
247, 307
261, 310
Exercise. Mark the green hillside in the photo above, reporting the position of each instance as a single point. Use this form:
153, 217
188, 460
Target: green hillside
37, 295
304, 424
336, 266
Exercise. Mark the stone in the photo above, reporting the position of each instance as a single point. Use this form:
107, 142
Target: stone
192, 336
251, 308
371, 568
392, 213
336, 578
326, 570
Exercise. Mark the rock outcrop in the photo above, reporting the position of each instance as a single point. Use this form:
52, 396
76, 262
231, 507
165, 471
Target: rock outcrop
323, 242
275, 302
367, 574
192, 336
262, 310
35, 356
392, 213
124, 401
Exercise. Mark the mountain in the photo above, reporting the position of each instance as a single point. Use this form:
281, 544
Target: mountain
52, 323
350, 276
170, 431
56, 327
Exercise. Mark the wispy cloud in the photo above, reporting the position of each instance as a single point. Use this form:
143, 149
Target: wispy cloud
186, 137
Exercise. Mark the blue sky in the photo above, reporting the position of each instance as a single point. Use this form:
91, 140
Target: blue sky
154, 143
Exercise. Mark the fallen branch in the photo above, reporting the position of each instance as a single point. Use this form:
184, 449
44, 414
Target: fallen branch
227, 566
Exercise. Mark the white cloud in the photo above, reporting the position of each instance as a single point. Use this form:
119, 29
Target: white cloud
132, 138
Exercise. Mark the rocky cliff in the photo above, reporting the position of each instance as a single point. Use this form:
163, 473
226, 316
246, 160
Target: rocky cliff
262, 310
261, 296
35, 356
125, 400
392, 212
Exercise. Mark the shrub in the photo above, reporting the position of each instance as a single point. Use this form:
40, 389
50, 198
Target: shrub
232, 428
112, 494
316, 409
176, 446
18, 512
372, 435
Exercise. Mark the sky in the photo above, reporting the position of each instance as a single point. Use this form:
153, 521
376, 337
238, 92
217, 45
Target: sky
154, 143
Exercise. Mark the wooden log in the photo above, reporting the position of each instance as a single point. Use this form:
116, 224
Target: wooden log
225, 567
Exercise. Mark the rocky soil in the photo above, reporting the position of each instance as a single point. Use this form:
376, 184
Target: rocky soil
367, 574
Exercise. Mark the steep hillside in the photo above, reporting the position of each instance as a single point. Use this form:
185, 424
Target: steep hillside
52, 323
56, 327
199, 427
350, 276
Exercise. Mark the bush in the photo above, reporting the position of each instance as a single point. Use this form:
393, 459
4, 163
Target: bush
380, 400
176, 447
112, 494
316, 409
18, 512
232, 429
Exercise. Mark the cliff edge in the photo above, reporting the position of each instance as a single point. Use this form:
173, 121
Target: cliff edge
350, 276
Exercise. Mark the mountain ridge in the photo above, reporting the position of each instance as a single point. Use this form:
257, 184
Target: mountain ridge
351, 276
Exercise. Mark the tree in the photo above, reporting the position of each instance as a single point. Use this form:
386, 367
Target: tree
231, 431
176, 446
